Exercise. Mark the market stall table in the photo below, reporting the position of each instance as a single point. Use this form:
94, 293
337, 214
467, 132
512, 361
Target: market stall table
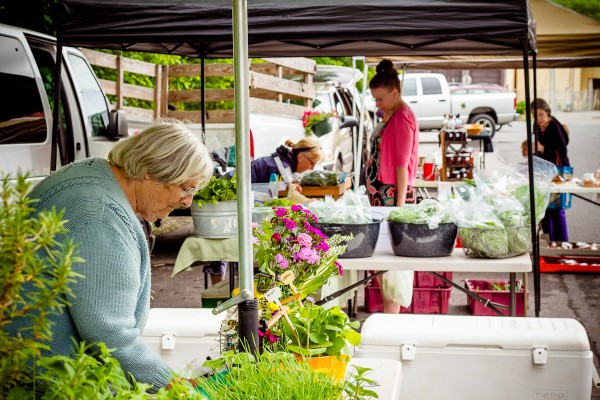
384, 259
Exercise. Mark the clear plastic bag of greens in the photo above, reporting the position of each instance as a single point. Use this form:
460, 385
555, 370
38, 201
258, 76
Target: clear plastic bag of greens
351, 208
321, 178
429, 211
543, 174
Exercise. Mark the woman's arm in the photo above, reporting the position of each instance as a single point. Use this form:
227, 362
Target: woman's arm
401, 183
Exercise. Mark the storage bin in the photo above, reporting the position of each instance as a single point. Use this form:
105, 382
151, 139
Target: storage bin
427, 280
424, 301
474, 358
364, 238
418, 240
569, 264
183, 337
215, 220
484, 289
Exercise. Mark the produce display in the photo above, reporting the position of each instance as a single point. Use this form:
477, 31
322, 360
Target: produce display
321, 178
494, 215
430, 212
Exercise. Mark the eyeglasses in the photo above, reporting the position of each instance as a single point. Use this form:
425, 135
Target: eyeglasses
188, 192
380, 99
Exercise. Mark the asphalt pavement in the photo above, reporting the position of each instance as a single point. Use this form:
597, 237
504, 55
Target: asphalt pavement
563, 295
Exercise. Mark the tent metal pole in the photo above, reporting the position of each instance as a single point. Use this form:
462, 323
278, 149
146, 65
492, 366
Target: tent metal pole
247, 309
534, 232
56, 111
203, 97
535, 96
361, 126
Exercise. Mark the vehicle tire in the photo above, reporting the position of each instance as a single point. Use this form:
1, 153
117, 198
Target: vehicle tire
489, 125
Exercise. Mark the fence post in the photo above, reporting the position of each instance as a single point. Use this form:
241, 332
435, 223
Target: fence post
164, 101
157, 90
119, 82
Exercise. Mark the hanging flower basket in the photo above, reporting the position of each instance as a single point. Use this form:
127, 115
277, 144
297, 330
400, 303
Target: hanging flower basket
322, 128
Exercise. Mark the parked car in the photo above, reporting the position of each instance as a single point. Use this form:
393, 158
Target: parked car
430, 97
88, 128
336, 91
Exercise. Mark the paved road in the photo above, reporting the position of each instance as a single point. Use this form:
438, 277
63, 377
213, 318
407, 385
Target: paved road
563, 295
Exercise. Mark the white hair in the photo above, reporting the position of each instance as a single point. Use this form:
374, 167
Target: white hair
168, 151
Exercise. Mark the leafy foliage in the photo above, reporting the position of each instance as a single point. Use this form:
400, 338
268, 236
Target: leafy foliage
591, 8
321, 331
218, 189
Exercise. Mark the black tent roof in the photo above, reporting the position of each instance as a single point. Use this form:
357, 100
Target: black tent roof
309, 28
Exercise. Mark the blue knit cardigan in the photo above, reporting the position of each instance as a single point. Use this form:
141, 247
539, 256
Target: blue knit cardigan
112, 300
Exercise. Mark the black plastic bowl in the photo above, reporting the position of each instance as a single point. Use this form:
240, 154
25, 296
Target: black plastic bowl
417, 240
364, 241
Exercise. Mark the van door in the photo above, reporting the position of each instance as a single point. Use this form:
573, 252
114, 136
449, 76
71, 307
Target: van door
25, 117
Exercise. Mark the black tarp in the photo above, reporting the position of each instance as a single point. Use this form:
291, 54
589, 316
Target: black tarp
308, 28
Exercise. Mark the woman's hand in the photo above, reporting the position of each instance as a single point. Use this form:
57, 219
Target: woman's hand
540, 148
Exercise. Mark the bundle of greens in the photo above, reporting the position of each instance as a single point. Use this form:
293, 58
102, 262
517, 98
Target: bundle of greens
430, 212
319, 178
217, 190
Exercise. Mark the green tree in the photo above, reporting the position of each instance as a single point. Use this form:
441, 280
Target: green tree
590, 8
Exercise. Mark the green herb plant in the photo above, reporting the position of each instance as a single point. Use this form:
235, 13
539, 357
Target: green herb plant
218, 189
277, 375
321, 332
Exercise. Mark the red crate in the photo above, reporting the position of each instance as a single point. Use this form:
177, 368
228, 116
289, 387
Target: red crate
484, 289
424, 301
427, 280
576, 264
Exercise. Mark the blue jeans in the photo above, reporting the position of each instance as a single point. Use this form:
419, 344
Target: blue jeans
555, 225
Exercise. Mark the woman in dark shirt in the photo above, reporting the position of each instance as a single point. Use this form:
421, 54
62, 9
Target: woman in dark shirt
552, 146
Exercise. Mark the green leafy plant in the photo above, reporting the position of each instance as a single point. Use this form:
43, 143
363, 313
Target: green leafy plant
218, 189
321, 331
277, 375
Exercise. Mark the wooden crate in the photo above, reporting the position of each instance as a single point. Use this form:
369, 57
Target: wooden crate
318, 191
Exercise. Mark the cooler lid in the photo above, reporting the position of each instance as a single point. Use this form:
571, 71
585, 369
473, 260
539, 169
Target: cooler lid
185, 322
514, 333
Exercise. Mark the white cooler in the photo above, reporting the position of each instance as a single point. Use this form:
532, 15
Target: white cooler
468, 357
183, 337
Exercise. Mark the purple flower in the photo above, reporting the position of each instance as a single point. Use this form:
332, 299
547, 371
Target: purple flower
280, 212
296, 208
309, 255
281, 261
311, 299
322, 246
304, 240
290, 224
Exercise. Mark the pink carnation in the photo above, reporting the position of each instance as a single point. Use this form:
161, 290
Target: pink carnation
290, 224
281, 261
310, 256
304, 240
280, 212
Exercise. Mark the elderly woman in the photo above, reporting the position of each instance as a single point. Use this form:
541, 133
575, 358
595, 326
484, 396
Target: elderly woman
150, 175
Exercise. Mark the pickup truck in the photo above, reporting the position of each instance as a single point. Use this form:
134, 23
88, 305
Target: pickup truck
89, 128
430, 97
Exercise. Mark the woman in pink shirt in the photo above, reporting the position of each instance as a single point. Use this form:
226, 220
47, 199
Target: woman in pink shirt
392, 167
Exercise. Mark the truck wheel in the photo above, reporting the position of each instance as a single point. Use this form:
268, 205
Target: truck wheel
489, 125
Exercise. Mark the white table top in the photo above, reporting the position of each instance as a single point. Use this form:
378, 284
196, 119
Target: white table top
570, 187
386, 373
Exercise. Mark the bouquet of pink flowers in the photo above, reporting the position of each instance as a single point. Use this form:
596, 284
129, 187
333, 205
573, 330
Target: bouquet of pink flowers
288, 241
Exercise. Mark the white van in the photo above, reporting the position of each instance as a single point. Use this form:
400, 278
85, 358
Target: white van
87, 127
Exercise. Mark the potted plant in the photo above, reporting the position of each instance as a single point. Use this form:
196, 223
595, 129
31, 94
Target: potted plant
214, 209
317, 122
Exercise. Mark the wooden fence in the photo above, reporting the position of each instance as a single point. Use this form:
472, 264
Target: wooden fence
270, 90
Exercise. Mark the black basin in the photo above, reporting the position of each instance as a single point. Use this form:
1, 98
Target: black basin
364, 241
417, 240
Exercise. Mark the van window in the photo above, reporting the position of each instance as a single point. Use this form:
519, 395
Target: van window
409, 87
94, 103
431, 85
22, 118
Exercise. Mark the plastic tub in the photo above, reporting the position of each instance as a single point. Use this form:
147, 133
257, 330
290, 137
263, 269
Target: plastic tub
418, 240
364, 241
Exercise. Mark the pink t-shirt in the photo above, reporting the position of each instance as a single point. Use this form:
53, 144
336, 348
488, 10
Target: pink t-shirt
399, 146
